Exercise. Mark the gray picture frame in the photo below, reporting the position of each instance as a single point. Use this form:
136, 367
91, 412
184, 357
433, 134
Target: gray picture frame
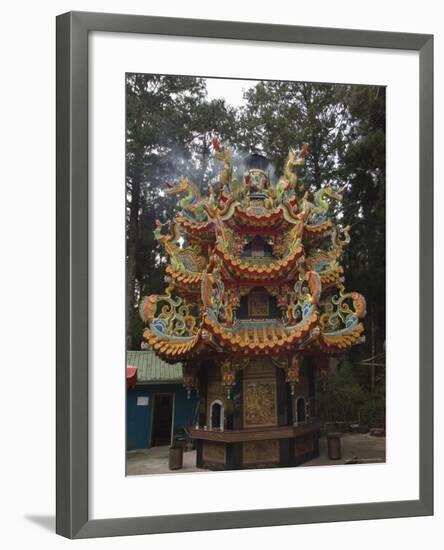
72, 517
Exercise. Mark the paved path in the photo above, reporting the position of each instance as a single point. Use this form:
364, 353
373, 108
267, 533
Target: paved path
354, 446
155, 461
364, 447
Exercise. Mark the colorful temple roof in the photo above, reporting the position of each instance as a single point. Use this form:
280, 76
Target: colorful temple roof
254, 269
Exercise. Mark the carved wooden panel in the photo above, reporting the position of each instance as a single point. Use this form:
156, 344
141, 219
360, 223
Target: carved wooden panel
260, 367
303, 445
213, 372
260, 403
214, 453
260, 452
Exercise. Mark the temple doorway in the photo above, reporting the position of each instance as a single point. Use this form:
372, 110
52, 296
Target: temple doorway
162, 419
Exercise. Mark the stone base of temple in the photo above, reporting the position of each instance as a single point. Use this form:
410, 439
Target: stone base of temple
283, 446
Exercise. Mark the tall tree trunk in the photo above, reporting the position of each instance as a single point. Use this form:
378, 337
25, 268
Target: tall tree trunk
316, 167
205, 161
131, 246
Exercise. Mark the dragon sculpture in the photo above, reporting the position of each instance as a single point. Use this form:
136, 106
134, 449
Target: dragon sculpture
317, 212
192, 205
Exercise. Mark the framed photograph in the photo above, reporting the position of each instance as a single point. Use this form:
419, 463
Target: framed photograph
244, 275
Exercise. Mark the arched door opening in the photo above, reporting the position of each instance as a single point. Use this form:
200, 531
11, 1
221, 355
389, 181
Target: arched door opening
217, 415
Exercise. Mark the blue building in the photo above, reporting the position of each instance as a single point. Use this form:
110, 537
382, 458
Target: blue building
157, 405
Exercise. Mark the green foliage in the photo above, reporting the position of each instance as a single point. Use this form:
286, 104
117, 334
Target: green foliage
372, 412
283, 115
343, 397
364, 206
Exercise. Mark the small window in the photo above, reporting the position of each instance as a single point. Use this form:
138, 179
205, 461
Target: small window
257, 248
258, 303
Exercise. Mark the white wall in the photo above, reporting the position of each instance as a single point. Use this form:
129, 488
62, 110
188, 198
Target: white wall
27, 276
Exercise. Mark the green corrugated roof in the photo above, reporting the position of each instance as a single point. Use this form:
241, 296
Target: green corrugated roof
151, 369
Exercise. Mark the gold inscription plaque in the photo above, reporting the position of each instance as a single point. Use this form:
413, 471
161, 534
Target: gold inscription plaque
214, 452
258, 302
260, 452
260, 403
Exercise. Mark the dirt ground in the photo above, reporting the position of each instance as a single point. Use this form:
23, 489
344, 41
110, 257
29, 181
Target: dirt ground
362, 447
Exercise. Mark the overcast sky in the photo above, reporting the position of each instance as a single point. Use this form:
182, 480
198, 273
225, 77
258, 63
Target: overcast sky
229, 89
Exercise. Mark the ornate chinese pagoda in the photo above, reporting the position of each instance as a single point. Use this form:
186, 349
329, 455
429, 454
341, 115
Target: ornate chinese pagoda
254, 308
